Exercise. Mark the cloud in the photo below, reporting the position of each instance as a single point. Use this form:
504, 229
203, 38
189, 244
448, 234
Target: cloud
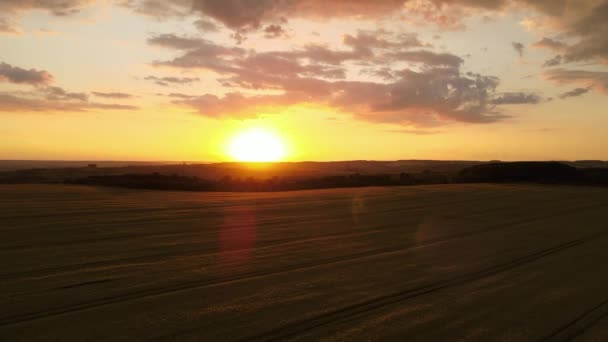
12, 9
382, 39
175, 42
97, 105
53, 99
8, 27
15, 103
434, 92
406, 81
13, 74
60, 94
592, 29
519, 47
574, 93
555, 61
181, 96
428, 58
166, 81
516, 98
55, 7
46, 97
413, 131
551, 44
245, 16
274, 31
113, 95
585, 22
593, 79
159, 9
206, 25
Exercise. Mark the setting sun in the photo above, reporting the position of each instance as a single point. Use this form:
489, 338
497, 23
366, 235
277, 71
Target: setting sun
257, 145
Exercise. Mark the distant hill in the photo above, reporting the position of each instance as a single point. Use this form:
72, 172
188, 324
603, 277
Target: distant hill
589, 164
521, 172
13, 165
543, 172
311, 175
215, 171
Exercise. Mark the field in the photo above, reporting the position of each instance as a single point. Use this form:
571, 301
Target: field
443, 262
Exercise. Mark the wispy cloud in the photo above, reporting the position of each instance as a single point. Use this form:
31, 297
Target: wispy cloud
166, 81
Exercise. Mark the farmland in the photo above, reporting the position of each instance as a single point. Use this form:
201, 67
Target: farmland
436, 262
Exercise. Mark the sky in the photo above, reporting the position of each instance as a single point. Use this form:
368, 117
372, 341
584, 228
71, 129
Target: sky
177, 80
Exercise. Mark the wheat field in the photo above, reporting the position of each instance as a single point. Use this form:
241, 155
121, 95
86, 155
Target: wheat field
471, 262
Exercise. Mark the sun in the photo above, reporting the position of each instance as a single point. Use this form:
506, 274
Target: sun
257, 145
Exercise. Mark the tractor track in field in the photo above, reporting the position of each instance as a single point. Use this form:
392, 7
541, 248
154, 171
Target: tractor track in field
361, 309
195, 284
580, 324
279, 243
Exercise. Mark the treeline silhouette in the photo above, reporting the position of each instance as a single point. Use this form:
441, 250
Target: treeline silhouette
538, 172
176, 182
499, 172
546, 172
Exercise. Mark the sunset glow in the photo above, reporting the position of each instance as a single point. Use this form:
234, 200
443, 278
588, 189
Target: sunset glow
347, 80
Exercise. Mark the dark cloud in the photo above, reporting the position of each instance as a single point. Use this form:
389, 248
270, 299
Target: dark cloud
274, 31
519, 47
166, 81
516, 98
113, 95
575, 93
555, 61
243, 15
13, 74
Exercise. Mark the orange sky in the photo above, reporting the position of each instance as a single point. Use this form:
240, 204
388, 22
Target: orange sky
337, 80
